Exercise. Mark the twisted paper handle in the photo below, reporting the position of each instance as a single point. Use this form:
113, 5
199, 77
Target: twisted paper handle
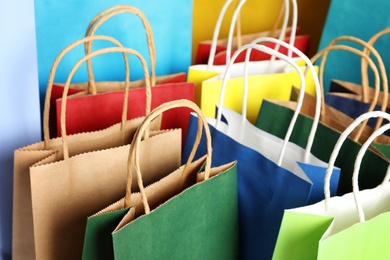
321, 74
50, 82
125, 103
133, 162
104, 16
338, 145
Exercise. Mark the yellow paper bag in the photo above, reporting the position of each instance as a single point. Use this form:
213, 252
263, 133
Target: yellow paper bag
274, 86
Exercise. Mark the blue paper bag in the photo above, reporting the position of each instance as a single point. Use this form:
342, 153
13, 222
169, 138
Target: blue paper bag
264, 189
352, 108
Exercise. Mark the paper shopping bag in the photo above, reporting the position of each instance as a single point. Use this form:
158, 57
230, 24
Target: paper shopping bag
323, 144
241, 130
352, 226
260, 209
26, 157
335, 27
224, 47
274, 84
74, 194
129, 231
173, 49
170, 87
353, 106
197, 74
207, 22
341, 117
248, 135
216, 50
311, 19
302, 42
82, 90
64, 176
264, 190
355, 91
336, 119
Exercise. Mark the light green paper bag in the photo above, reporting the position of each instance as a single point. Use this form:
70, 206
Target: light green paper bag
312, 233
354, 226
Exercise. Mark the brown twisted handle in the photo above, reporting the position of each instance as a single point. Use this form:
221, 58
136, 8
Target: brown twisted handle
50, 82
125, 103
133, 162
368, 47
321, 75
364, 63
104, 16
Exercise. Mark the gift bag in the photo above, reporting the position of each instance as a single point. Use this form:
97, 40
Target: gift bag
56, 27
353, 226
203, 73
150, 224
225, 48
208, 24
266, 194
351, 88
323, 142
337, 118
260, 196
241, 130
290, 35
55, 90
364, 20
353, 106
170, 87
260, 86
69, 176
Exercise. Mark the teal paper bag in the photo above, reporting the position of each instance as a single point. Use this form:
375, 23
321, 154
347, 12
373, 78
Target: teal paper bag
59, 23
362, 19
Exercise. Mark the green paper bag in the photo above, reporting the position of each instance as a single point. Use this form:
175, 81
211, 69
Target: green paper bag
353, 226
304, 235
199, 223
339, 121
171, 218
97, 239
274, 118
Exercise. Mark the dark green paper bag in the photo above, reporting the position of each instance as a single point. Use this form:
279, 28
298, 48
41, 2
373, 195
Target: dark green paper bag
199, 223
98, 240
190, 216
274, 118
